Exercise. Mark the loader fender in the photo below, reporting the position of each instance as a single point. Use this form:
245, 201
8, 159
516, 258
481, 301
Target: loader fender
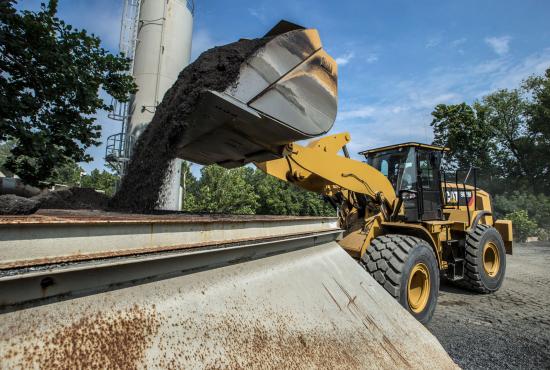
504, 228
414, 230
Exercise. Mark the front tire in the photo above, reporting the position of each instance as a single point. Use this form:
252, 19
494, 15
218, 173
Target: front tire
407, 268
485, 260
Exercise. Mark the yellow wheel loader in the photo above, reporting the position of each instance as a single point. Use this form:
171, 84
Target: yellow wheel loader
403, 220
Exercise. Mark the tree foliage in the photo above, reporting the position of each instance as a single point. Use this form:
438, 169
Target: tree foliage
100, 180
505, 134
50, 76
68, 173
71, 174
277, 197
247, 191
5, 150
538, 118
462, 129
523, 225
189, 186
225, 191
536, 206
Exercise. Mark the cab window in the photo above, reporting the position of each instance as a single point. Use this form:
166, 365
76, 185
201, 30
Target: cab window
398, 165
427, 165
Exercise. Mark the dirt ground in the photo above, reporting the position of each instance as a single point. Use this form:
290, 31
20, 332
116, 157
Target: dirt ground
509, 329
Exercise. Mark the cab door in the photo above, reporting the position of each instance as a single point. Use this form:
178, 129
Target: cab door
429, 185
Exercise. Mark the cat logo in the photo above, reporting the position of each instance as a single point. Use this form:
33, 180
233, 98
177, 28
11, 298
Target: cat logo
460, 198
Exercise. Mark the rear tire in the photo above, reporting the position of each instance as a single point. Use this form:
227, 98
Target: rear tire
485, 260
407, 268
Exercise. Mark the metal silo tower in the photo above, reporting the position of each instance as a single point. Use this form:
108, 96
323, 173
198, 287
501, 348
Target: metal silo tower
156, 35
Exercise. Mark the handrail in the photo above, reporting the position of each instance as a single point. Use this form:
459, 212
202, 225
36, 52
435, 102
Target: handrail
467, 175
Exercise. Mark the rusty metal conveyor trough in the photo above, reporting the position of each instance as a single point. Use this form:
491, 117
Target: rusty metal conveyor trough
105, 290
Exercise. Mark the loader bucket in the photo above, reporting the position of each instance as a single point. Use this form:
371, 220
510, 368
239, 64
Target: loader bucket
286, 91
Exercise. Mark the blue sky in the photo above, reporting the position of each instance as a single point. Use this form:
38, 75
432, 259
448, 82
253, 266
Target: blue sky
397, 59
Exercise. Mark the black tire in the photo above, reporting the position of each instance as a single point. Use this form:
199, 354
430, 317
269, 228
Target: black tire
476, 277
390, 259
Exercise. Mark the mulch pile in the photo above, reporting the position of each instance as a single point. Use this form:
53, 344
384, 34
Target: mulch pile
71, 198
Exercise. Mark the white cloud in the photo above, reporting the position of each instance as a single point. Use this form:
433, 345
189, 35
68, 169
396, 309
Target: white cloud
433, 42
202, 41
510, 75
344, 59
458, 42
359, 112
372, 58
258, 13
500, 45
384, 124
402, 109
488, 67
428, 99
454, 44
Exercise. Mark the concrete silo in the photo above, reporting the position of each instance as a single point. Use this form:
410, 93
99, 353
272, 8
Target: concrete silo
157, 35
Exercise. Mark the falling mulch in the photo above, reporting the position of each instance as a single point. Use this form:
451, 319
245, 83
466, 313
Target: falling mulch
215, 69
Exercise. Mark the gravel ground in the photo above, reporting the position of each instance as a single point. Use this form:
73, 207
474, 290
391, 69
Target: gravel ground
509, 329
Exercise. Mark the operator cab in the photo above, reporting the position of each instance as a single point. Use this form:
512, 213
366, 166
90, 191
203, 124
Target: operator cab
414, 171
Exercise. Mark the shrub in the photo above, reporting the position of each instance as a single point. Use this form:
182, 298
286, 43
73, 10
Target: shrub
537, 206
523, 226
543, 234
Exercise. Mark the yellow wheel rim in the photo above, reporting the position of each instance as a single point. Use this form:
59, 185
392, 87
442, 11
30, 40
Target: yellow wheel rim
418, 289
491, 259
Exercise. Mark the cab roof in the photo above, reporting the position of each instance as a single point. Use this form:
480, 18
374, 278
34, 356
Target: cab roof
404, 145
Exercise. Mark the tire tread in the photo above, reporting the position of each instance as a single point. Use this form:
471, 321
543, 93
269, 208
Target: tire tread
472, 276
385, 257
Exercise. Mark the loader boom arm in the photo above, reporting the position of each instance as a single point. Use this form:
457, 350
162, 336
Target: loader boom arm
319, 168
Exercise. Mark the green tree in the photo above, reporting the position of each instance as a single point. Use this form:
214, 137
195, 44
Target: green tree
313, 204
104, 181
512, 150
248, 191
68, 173
5, 149
50, 77
462, 128
536, 206
225, 191
275, 197
496, 135
523, 226
538, 119
278, 197
189, 186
